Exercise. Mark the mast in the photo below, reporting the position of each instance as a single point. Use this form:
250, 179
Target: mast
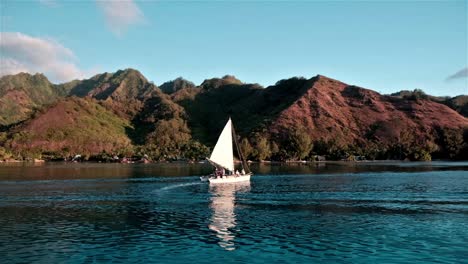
245, 166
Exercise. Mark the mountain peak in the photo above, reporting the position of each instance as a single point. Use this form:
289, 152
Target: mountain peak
129, 70
21, 93
176, 85
24, 76
325, 79
130, 73
124, 91
218, 82
231, 78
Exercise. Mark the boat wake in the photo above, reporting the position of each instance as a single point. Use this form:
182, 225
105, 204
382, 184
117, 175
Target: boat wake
175, 186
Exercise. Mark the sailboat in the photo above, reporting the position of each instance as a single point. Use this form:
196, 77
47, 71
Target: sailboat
222, 159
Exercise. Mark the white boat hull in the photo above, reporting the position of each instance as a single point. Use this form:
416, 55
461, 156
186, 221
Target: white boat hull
226, 179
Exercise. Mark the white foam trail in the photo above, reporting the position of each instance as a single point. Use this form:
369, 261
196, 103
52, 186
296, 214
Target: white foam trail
170, 187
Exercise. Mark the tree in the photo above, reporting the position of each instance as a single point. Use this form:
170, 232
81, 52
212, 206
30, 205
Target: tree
274, 148
263, 148
300, 143
4, 154
168, 137
246, 148
194, 150
451, 142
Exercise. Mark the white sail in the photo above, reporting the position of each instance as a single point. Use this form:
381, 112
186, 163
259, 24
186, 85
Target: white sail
223, 154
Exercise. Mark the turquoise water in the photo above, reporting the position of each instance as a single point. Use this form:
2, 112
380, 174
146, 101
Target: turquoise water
161, 213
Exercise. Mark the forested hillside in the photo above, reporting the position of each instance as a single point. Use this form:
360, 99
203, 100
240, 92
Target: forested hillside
123, 114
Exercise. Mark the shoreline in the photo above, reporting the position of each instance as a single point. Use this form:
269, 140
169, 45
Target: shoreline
37, 161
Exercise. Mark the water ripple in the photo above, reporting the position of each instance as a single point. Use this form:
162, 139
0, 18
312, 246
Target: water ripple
351, 218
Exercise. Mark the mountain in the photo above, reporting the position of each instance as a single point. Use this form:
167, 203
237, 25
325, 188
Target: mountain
322, 109
458, 103
209, 106
22, 93
330, 109
218, 82
123, 91
123, 113
70, 126
176, 85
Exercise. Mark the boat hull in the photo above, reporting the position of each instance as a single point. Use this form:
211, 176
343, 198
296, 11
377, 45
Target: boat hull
230, 179
226, 179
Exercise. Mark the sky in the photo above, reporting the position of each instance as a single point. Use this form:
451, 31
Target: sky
386, 46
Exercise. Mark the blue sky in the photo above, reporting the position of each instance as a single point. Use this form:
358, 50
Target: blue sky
386, 46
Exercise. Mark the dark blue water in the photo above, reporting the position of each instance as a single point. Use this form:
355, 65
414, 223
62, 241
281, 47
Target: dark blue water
93, 213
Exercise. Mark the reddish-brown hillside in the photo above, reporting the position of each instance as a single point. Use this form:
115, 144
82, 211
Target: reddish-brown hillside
330, 109
74, 126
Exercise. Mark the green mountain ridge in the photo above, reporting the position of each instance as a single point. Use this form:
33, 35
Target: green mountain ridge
21, 94
68, 127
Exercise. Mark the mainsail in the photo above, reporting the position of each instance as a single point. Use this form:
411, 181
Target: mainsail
223, 154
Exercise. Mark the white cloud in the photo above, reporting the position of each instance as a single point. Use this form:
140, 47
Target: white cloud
463, 73
23, 53
120, 14
11, 66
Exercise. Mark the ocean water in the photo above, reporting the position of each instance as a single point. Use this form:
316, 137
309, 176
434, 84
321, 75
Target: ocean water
162, 213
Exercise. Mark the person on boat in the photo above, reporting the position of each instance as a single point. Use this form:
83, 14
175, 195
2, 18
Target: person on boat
237, 172
243, 172
223, 172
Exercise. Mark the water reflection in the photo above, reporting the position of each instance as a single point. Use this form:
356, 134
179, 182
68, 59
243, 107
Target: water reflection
223, 219
71, 171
